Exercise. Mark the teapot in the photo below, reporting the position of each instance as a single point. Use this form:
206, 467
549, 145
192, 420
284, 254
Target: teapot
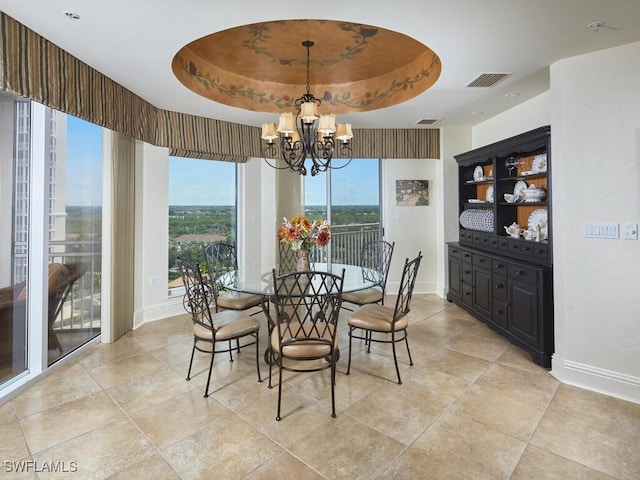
513, 230
531, 235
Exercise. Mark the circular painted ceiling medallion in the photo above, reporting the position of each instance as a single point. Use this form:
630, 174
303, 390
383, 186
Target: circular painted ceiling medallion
262, 66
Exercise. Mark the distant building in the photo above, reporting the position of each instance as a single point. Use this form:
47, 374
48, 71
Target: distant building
205, 238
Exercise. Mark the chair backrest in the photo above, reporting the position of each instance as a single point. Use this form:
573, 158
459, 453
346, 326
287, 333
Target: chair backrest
199, 295
220, 257
375, 259
288, 259
407, 282
307, 306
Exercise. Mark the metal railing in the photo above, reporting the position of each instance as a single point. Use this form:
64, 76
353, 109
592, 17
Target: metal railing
82, 307
346, 242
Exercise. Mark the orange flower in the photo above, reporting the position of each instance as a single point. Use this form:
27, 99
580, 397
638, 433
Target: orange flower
323, 238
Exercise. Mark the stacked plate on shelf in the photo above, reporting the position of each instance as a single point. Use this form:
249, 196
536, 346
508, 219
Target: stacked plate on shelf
477, 219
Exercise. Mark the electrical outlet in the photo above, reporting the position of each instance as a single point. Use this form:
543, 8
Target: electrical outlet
631, 231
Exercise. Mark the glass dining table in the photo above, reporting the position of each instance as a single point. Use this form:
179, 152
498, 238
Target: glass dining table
259, 281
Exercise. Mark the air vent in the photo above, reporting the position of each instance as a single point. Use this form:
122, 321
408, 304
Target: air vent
488, 79
428, 121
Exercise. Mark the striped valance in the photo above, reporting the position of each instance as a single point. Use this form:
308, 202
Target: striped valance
33, 67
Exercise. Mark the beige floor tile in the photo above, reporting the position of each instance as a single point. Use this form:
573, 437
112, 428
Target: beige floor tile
68, 383
413, 464
397, 411
152, 468
478, 346
174, 354
515, 357
300, 414
499, 411
180, 417
542, 465
125, 370
601, 408
57, 424
284, 466
13, 446
100, 452
359, 455
471, 448
227, 450
599, 445
161, 336
105, 353
143, 392
458, 364
8, 413
531, 386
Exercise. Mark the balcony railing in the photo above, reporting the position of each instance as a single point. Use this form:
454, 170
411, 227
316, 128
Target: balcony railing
81, 310
346, 242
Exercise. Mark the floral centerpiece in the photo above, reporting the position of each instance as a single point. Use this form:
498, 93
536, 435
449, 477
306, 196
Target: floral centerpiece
302, 234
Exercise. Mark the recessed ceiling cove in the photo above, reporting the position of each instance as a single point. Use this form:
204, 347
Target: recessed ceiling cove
263, 66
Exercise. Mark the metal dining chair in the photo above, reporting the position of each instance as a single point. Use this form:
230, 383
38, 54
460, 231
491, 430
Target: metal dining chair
221, 259
307, 307
214, 328
379, 319
375, 260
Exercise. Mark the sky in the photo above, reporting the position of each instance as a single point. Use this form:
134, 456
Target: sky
84, 163
205, 182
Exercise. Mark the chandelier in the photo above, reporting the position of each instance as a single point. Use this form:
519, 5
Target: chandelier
308, 136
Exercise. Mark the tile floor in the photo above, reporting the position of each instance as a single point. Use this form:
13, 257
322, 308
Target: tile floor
472, 407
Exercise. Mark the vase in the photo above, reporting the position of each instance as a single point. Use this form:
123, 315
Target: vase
303, 264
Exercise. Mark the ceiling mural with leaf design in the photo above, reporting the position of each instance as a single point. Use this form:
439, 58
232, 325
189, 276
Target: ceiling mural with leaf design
262, 66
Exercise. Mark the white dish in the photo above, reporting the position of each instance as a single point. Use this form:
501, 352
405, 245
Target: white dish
538, 218
478, 173
539, 163
475, 200
519, 188
528, 172
489, 194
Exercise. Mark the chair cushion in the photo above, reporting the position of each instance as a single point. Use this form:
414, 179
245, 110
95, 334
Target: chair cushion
303, 348
57, 272
377, 318
228, 324
238, 301
362, 297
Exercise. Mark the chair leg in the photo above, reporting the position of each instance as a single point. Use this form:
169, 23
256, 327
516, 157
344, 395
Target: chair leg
271, 362
406, 340
230, 352
350, 340
258, 356
193, 351
333, 383
395, 358
279, 388
369, 334
213, 353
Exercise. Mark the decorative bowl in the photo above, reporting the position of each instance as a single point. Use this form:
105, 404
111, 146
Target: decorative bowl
534, 194
511, 197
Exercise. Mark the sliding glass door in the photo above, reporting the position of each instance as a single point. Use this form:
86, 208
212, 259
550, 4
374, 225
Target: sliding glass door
349, 198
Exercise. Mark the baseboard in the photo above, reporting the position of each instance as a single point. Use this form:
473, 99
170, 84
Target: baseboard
171, 308
419, 288
608, 382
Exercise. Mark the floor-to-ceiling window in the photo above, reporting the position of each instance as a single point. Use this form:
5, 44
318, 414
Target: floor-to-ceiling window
349, 198
73, 159
202, 209
49, 163
15, 167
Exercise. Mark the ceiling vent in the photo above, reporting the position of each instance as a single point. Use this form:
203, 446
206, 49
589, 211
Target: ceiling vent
428, 121
488, 79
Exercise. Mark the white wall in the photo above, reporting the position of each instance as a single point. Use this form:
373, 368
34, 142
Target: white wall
594, 112
596, 178
413, 229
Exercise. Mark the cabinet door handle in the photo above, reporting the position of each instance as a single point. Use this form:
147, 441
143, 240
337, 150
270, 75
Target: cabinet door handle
526, 249
466, 255
481, 260
515, 246
467, 293
499, 286
519, 272
467, 272
499, 312
540, 250
499, 266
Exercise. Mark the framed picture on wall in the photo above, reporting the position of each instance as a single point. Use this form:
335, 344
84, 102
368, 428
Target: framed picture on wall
412, 193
